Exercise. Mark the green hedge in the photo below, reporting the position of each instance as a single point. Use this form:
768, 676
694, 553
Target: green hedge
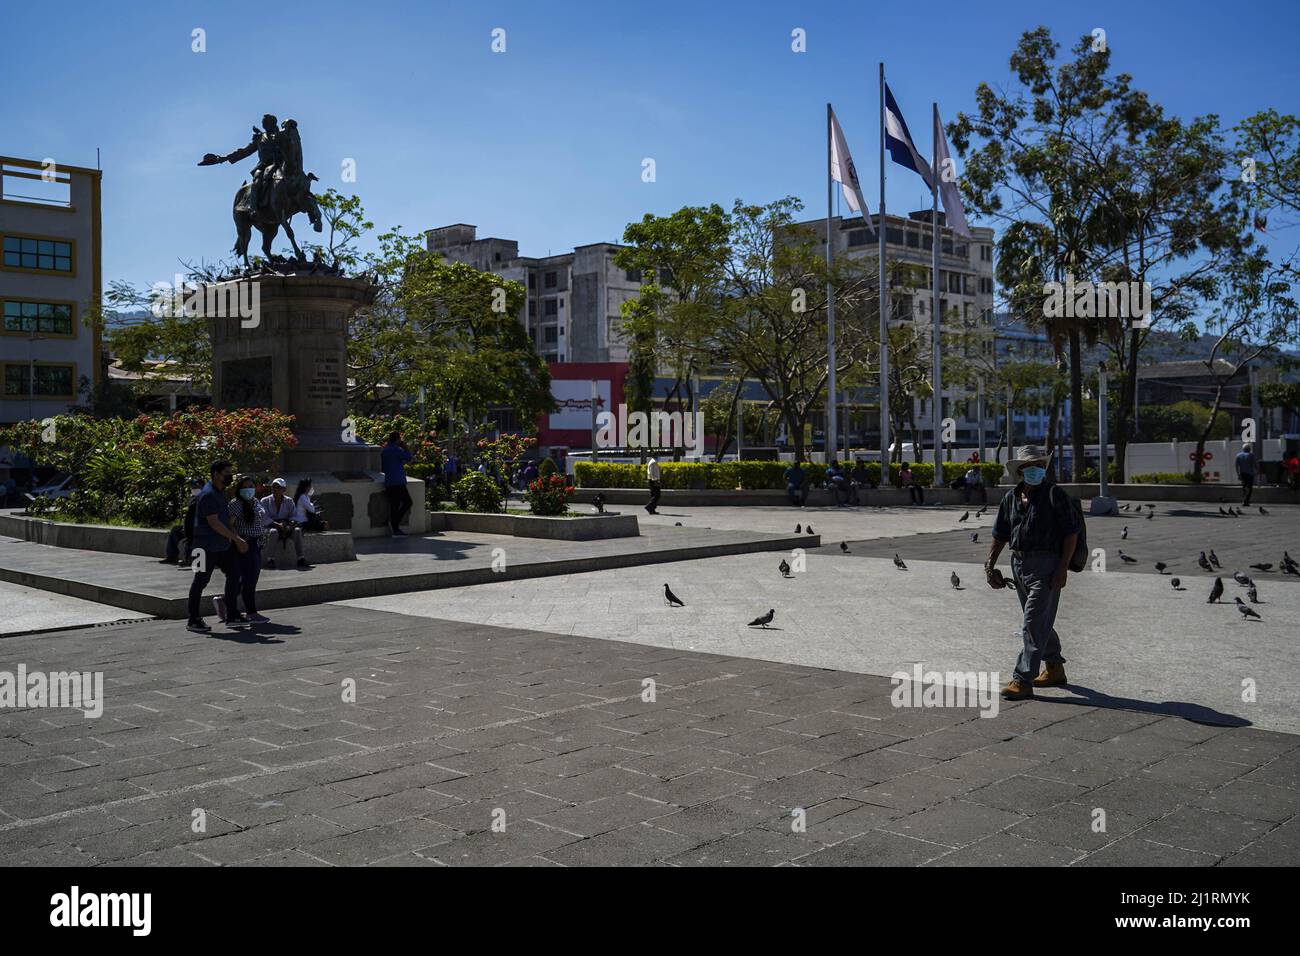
1164, 478
729, 475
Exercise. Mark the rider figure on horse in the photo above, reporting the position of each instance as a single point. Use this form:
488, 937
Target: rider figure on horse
261, 203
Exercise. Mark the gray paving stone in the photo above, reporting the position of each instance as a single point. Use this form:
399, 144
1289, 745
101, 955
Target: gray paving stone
1257, 801
953, 823
631, 846
914, 791
1132, 851
876, 848
1007, 849
1205, 831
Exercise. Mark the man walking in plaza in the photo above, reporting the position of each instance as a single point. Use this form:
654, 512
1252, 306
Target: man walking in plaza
393, 460
212, 544
652, 475
1037, 519
1247, 468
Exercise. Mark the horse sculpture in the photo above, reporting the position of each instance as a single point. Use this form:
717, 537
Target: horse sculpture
278, 191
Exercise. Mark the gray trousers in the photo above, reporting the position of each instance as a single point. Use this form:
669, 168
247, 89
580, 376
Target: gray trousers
1034, 571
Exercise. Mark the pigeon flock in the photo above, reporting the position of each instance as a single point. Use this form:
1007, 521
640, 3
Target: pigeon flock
1207, 561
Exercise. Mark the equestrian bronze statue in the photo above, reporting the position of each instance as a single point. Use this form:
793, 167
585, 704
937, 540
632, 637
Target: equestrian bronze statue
278, 190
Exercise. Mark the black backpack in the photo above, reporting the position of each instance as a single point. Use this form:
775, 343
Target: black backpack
1078, 560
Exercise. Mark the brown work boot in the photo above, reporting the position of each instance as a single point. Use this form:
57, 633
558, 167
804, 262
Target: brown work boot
1053, 675
1017, 690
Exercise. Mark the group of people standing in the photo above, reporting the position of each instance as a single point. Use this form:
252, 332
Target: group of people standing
235, 534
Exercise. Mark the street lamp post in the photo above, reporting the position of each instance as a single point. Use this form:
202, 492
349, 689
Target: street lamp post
1103, 504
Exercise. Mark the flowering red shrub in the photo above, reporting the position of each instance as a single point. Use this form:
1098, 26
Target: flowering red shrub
549, 495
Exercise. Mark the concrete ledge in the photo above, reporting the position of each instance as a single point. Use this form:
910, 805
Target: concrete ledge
326, 547
374, 577
583, 528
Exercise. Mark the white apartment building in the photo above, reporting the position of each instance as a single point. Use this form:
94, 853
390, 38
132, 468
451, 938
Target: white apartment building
574, 301
49, 275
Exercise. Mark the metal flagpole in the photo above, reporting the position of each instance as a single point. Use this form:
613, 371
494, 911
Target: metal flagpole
883, 299
937, 386
830, 306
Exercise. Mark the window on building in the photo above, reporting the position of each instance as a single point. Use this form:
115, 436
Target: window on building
52, 381
550, 307
954, 282
550, 280
48, 255
913, 240
561, 302
946, 245
38, 318
551, 335
532, 280
894, 236
532, 308
963, 250
927, 241
858, 237
986, 285
632, 275
986, 253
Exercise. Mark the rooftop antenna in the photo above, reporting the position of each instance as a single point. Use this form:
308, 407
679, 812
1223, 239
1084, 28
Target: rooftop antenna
97, 157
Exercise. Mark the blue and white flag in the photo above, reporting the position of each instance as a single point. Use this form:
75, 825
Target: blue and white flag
845, 173
952, 208
898, 140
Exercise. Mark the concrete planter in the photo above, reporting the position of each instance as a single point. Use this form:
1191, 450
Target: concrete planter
583, 528
327, 547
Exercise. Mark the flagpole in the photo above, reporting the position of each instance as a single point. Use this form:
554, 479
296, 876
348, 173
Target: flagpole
883, 299
936, 401
830, 307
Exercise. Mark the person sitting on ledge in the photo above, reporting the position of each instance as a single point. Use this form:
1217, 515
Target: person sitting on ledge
185, 530
279, 510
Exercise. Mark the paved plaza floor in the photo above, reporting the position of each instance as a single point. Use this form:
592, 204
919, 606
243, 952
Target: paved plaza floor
577, 719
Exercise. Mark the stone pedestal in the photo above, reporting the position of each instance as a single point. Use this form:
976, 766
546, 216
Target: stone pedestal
291, 354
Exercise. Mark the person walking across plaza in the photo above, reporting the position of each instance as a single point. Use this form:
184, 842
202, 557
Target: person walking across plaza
248, 520
1247, 468
652, 476
393, 460
1036, 519
215, 546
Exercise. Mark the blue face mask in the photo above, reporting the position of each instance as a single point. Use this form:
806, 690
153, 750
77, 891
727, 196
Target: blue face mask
247, 493
1033, 475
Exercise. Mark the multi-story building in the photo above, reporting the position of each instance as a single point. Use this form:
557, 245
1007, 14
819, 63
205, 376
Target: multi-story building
966, 303
574, 299
49, 276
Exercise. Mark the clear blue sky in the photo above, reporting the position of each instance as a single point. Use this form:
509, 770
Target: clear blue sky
544, 143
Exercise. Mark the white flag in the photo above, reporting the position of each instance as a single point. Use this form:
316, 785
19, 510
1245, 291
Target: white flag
956, 216
844, 172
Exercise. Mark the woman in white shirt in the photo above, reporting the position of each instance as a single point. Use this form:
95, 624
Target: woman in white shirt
305, 513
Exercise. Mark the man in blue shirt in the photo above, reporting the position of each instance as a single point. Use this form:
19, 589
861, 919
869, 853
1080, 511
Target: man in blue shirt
795, 482
1246, 468
393, 460
212, 549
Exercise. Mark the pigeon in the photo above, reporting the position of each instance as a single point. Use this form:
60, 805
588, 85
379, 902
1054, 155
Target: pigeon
677, 524
599, 502
1263, 566
1214, 559
1126, 559
1241, 579
898, 563
784, 568
1125, 508
1222, 512
1123, 535
1246, 610
764, 620
964, 516
1160, 567
1233, 512
1175, 582
954, 581
672, 599
1262, 511
1252, 594
1216, 592
798, 529
975, 536
810, 530
1150, 515
1151, 506
1204, 562
844, 547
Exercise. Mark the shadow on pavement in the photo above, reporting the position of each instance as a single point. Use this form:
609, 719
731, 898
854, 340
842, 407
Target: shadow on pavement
1196, 713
